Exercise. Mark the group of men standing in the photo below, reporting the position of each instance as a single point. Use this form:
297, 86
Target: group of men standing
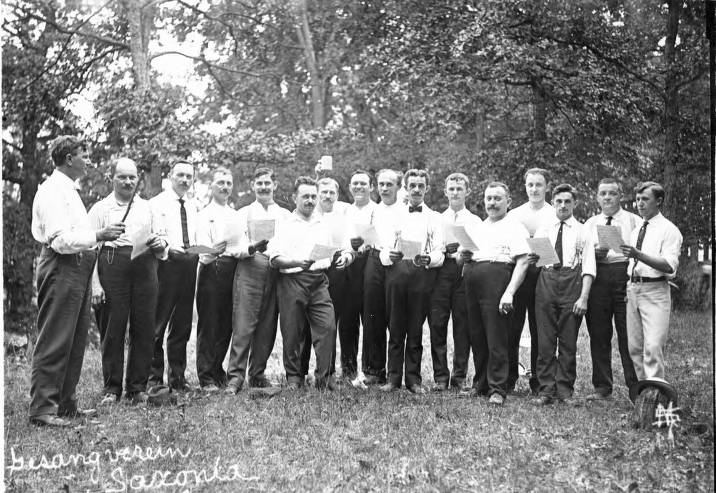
329, 267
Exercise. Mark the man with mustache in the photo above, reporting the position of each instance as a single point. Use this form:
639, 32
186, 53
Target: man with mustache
61, 224
561, 297
129, 286
492, 276
177, 213
653, 252
532, 214
255, 315
302, 287
409, 281
214, 295
607, 298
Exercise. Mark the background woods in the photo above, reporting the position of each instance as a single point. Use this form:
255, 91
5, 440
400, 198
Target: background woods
586, 89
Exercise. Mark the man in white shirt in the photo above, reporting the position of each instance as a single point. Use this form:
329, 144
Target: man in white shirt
302, 287
561, 297
448, 295
653, 253
128, 285
61, 224
255, 316
607, 298
532, 215
177, 277
492, 276
409, 279
214, 294
375, 317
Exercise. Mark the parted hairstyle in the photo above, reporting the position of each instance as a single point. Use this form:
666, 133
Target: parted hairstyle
537, 171
398, 175
499, 184
64, 145
328, 181
420, 173
303, 180
263, 170
565, 187
458, 177
656, 189
610, 181
363, 172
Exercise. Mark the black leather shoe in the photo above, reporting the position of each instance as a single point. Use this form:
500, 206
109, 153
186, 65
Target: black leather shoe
50, 420
77, 413
439, 387
417, 389
260, 383
388, 387
182, 387
373, 380
542, 401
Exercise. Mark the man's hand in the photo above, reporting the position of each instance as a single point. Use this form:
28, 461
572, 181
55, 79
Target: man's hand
422, 260
580, 306
220, 247
97, 293
110, 233
344, 260
451, 248
259, 246
600, 253
395, 256
532, 258
320, 172
156, 244
356, 243
506, 303
630, 252
466, 255
306, 264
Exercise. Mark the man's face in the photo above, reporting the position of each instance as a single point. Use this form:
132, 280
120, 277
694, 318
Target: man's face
327, 195
306, 197
263, 187
80, 161
125, 179
221, 188
563, 204
416, 186
360, 188
608, 197
496, 202
647, 204
536, 187
182, 177
388, 187
456, 191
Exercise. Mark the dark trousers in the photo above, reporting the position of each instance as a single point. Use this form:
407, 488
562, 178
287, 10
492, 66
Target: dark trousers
408, 288
131, 289
557, 290
255, 315
375, 317
607, 300
524, 304
449, 296
64, 295
485, 283
305, 305
214, 305
175, 308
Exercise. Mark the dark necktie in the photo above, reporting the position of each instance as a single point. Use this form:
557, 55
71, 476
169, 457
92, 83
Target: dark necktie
609, 220
417, 208
640, 238
558, 245
184, 227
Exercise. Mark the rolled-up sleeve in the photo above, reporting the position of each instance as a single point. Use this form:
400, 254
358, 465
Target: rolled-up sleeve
671, 248
56, 225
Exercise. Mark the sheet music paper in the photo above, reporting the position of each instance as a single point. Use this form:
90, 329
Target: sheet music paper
232, 234
545, 250
410, 248
458, 234
199, 249
368, 233
139, 238
320, 252
261, 229
610, 236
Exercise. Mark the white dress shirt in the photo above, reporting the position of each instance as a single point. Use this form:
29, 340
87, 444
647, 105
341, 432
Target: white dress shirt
59, 218
211, 229
662, 239
425, 227
387, 219
499, 241
255, 212
626, 221
532, 219
464, 218
577, 244
166, 212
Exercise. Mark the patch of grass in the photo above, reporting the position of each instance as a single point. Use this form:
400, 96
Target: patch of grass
370, 441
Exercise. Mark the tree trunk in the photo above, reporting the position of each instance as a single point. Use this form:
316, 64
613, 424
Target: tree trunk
140, 18
318, 85
479, 128
539, 105
671, 106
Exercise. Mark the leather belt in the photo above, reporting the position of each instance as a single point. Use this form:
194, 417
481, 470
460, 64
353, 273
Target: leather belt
634, 278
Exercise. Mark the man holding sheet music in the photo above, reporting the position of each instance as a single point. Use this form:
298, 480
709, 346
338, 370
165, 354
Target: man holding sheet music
217, 226
302, 250
412, 263
448, 295
607, 299
255, 315
125, 285
177, 277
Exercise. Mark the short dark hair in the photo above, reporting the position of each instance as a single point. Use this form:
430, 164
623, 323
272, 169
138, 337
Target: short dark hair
418, 173
362, 172
303, 180
64, 145
563, 188
537, 171
499, 184
221, 170
610, 181
656, 189
264, 170
458, 177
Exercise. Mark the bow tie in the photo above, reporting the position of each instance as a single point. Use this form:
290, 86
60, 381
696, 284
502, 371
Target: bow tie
417, 208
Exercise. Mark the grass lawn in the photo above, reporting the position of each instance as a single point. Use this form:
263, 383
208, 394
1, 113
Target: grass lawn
369, 441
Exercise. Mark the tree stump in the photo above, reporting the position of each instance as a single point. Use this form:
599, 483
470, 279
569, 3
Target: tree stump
644, 414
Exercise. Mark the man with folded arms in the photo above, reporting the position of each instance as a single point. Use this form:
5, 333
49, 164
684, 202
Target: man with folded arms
448, 295
607, 298
561, 297
653, 252
129, 286
214, 294
302, 287
409, 281
61, 224
492, 276
255, 314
